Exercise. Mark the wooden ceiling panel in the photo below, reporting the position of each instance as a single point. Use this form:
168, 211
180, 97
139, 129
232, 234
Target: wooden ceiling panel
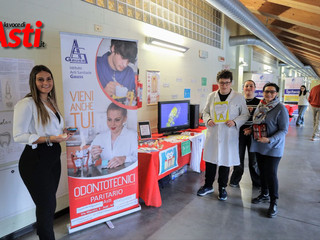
312, 6
302, 39
296, 23
305, 46
302, 31
284, 13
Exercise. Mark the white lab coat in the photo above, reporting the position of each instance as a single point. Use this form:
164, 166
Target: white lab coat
126, 144
222, 143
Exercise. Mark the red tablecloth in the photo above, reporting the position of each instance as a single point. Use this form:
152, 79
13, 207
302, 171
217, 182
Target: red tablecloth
200, 129
148, 174
291, 108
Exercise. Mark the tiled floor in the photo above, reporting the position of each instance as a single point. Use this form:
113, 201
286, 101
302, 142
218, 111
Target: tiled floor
184, 215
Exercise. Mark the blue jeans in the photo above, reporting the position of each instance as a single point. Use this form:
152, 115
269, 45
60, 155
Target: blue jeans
301, 110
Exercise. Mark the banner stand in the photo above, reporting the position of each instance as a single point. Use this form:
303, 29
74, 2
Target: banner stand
96, 191
82, 227
110, 224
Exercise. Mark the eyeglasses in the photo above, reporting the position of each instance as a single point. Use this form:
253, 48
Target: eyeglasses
224, 83
272, 91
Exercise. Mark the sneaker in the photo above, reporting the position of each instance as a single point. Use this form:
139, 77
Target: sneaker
205, 190
261, 198
223, 195
234, 185
315, 139
273, 210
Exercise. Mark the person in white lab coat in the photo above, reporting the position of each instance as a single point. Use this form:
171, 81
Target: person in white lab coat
225, 112
119, 144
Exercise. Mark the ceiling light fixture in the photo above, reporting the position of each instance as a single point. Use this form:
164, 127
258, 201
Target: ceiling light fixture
167, 45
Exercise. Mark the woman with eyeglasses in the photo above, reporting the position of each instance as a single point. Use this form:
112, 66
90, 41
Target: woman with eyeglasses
302, 105
270, 126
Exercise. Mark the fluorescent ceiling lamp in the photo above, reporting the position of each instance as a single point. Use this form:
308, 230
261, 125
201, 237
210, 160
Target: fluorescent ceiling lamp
161, 50
167, 45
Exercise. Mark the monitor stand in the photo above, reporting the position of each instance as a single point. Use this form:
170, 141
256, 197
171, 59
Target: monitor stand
171, 133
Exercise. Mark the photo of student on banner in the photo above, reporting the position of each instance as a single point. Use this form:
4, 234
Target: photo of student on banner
119, 144
117, 70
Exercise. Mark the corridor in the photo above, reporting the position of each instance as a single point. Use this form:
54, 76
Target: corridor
184, 215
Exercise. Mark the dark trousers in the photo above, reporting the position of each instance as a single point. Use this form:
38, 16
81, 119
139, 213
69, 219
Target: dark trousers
245, 143
268, 167
210, 175
40, 171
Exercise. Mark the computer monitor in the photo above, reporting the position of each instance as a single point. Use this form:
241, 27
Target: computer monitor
173, 116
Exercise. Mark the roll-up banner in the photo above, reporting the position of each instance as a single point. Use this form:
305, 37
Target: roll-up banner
261, 80
292, 89
100, 105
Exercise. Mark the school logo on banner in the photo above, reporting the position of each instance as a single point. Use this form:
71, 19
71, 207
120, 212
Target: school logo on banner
75, 54
168, 159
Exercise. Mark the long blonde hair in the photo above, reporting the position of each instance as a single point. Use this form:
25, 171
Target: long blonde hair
43, 114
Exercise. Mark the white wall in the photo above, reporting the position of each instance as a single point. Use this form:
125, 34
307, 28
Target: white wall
79, 17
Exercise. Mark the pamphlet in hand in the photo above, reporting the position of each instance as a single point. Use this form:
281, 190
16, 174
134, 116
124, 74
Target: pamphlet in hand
221, 112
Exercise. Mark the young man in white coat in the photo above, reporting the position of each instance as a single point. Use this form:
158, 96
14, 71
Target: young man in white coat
225, 112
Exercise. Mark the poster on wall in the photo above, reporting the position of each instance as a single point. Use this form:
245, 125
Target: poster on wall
14, 85
187, 93
203, 81
292, 89
100, 88
153, 87
261, 80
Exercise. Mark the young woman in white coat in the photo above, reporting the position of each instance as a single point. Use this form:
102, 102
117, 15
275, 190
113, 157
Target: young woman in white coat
225, 112
119, 144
